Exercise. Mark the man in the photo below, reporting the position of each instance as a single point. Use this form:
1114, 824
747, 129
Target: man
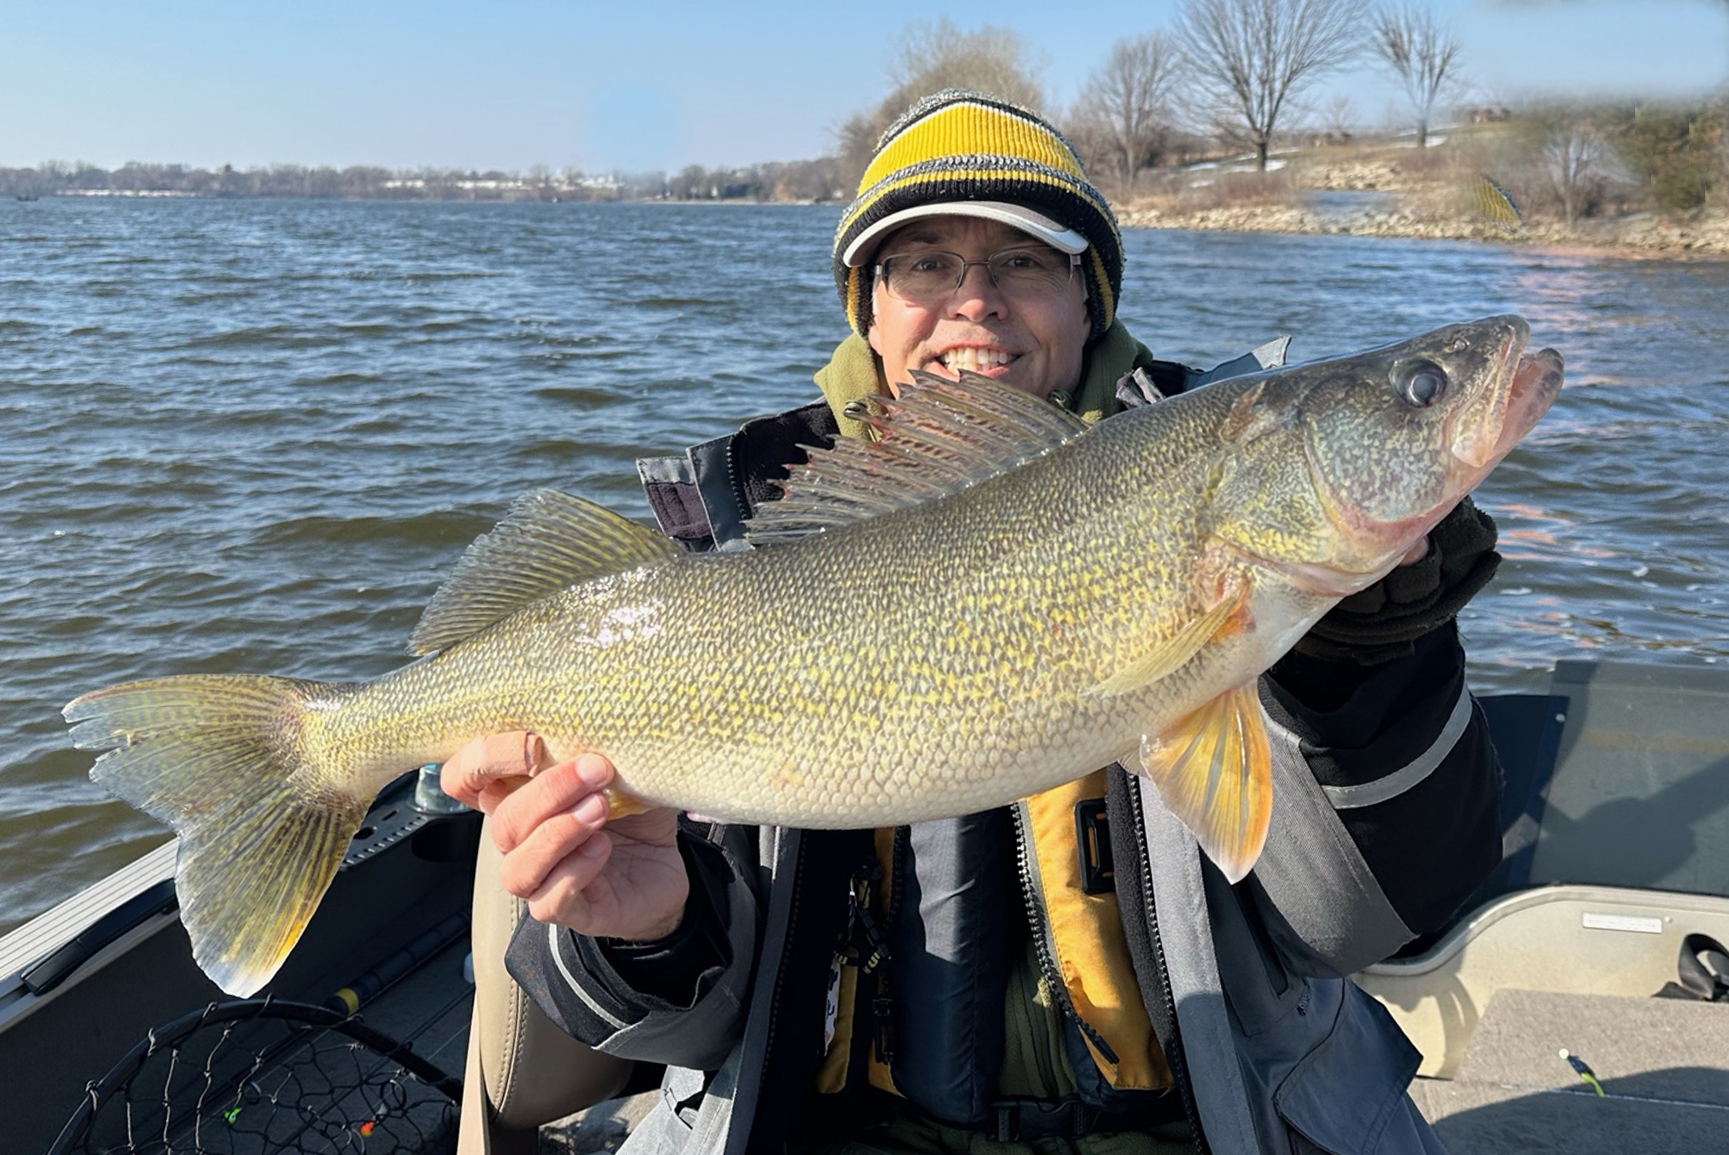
1067, 973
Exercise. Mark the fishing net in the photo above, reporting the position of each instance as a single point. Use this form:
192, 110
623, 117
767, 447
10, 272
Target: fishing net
259, 1077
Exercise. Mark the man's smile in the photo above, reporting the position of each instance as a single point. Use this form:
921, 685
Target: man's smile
975, 358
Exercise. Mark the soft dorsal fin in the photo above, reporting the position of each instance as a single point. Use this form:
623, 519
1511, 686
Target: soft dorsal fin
938, 437
548, 541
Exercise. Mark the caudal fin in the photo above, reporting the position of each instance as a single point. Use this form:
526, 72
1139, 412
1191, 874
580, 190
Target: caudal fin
262, 830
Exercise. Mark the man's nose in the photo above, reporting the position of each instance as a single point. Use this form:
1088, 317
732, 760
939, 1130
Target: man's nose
977, 296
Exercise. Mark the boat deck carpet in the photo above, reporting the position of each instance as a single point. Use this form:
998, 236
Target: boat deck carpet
1663, 1065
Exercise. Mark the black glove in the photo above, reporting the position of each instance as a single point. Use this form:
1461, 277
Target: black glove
1379, 623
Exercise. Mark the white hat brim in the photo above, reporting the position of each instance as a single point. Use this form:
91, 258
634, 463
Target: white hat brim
1034, 224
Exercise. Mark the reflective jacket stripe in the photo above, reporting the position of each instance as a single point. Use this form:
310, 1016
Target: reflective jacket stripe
1392, 785
556, 934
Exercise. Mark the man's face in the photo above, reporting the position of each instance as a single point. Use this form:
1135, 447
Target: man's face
1034, 344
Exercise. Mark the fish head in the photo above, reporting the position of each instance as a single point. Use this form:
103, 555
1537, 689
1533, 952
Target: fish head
1340, 467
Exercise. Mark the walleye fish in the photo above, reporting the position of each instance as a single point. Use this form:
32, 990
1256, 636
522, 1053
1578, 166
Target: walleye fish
989, 600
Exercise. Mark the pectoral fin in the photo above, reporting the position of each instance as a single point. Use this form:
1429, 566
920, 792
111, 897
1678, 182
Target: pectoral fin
621, 803
1213, 770
1169, 654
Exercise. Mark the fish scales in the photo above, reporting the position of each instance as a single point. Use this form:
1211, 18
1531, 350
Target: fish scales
1089, 597
788, 686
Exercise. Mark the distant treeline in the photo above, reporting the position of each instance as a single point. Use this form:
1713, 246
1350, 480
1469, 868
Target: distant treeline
807, 180
1562, 160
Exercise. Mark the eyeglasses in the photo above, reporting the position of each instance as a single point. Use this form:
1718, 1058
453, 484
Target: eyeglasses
1024, 273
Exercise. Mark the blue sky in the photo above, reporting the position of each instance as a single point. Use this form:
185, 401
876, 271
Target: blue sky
637, 85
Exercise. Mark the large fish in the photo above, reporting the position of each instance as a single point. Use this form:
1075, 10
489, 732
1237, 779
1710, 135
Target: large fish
987, 601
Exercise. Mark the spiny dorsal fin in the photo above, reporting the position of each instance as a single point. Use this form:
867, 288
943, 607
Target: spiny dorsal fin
938, 437
548, 541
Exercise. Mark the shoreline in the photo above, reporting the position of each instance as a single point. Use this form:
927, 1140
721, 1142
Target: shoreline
1703, 236
1386, 189
1635, 235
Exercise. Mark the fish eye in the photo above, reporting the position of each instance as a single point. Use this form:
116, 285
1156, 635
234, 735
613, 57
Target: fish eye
1421, 383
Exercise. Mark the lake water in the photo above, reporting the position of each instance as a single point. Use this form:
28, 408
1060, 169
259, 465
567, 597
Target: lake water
252, 436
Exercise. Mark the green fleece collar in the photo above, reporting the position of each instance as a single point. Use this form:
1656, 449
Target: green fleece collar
853, 374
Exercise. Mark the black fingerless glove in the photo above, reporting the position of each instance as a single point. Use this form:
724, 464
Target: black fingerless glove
1379, 623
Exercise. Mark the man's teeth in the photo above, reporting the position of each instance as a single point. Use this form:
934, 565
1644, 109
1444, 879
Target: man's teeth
975, 359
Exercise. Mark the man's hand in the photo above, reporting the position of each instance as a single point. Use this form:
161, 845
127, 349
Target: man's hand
1431, 583
627, 881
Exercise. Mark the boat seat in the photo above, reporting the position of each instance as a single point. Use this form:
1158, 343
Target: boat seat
1618, 776
522, 1070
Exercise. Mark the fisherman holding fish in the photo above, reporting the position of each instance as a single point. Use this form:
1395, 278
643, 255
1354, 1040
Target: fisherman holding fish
1068, 972
1067, 731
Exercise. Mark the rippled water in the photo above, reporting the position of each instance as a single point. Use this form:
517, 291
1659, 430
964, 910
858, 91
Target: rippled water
253, 435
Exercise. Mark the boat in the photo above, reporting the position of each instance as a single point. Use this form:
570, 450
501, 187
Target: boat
1580, 1002
109, 1032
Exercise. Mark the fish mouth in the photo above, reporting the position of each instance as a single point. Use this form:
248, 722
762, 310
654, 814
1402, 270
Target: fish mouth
1488, 431
1480, 427
1535, 385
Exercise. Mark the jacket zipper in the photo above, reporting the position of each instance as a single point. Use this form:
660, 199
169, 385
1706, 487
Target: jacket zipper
741, 500
1174, 1057
1024, 866
791, 937
882, 999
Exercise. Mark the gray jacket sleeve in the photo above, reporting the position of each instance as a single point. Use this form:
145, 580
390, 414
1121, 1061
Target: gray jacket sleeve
1388, 803
678, 1001
1322, 904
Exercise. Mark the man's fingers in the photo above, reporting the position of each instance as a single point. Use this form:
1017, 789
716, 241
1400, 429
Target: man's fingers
560, 897
497, 791
542, 850
472, 772
551, 797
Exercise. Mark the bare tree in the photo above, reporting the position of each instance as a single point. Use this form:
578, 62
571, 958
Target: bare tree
1339, 118
1573, 155
1252, 58
855, 140
930, 57
1123, 107
993, 60
1422, 56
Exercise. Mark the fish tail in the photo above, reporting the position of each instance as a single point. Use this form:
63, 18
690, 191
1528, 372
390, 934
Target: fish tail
225, 762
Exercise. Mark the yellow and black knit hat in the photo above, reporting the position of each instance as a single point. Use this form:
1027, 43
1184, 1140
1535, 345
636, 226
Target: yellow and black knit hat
964, 153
